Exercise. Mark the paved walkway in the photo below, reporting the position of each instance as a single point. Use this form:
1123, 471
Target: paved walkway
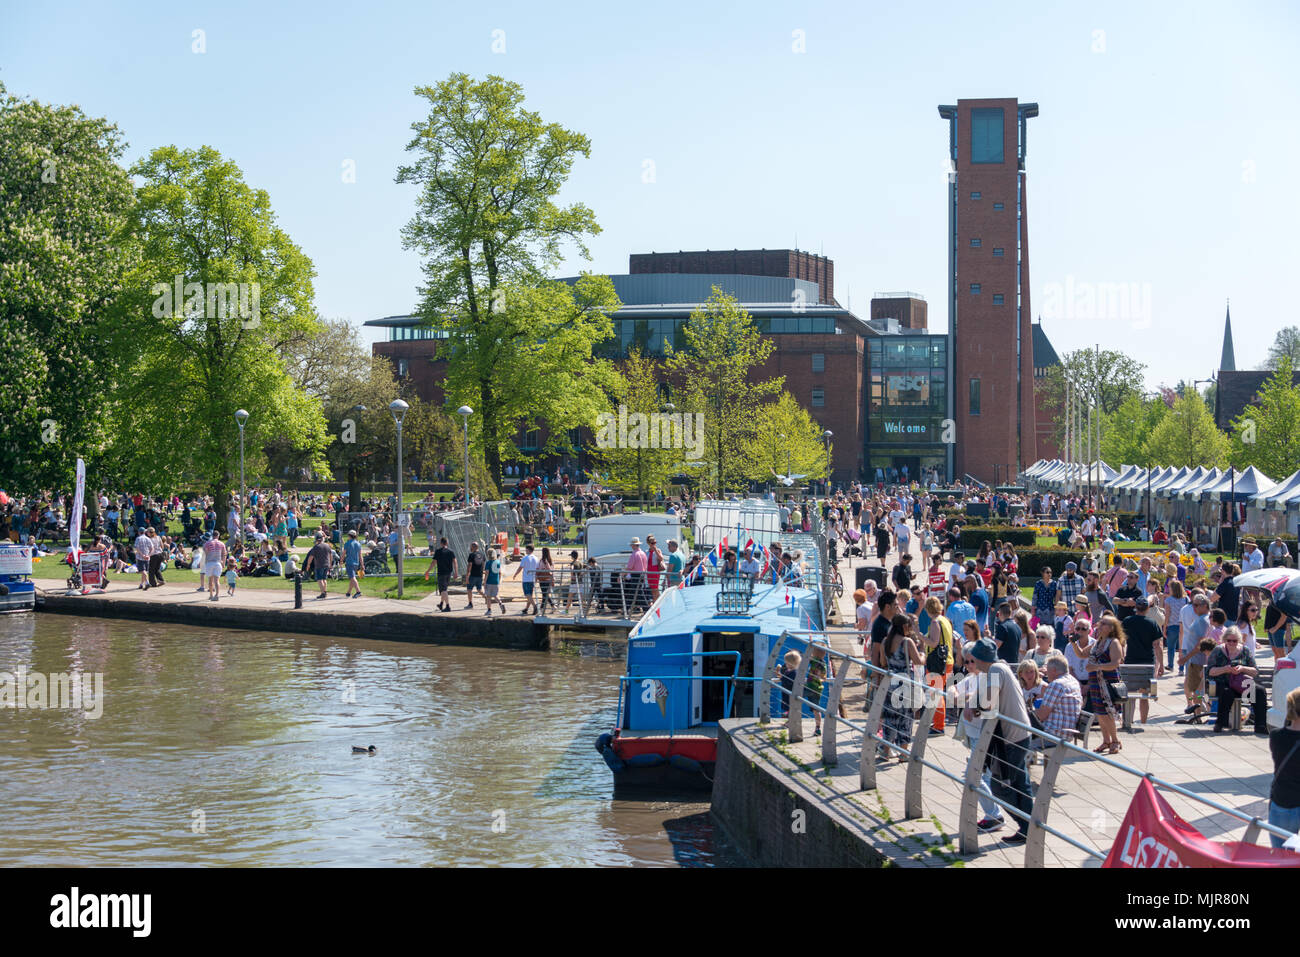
1090, 800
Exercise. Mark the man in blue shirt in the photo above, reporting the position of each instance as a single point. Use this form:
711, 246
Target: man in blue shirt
352, 562
1007, 635
959, 611
979, 600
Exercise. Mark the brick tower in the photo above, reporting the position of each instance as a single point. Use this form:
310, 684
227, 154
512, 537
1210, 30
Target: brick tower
992, 371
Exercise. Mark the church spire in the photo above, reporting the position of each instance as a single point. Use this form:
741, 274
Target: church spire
1227, 362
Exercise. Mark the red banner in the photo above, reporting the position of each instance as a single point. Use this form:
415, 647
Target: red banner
1153, 835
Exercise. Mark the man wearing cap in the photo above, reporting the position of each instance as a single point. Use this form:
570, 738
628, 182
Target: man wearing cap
1252, 559
1145, 646
1195, 618
1007, 751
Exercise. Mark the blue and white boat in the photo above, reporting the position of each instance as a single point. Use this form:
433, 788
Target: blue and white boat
698, 655
17, 590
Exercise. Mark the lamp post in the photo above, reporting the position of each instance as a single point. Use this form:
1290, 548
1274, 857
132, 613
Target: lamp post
465, 412
826, 439
398, 408
241, 417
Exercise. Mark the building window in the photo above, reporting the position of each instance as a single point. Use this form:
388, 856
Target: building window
986, 135
819, 362
997, 206
402, 368
974, 289
974, 396
997, 299
818, 398
974, 243
997, 251
975, 196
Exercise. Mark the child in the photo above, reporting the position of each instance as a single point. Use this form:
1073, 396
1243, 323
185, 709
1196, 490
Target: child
813, 684
492, 582
1194, 686
1218, 624
1064, 626
232, 576
788, 672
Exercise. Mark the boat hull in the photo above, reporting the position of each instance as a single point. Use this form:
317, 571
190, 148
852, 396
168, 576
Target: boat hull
653, 763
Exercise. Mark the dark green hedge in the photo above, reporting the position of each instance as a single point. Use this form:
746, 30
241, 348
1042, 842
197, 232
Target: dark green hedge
973, 536
1032, 561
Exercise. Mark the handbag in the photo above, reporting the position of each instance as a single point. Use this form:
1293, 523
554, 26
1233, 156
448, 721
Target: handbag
936, 662
1118, 691
1238, 683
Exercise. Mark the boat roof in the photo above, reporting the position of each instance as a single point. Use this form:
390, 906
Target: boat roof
773, 610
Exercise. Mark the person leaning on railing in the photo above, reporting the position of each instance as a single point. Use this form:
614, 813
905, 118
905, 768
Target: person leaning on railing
1007, 750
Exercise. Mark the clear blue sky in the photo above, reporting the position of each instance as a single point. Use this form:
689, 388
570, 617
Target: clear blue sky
1162, 156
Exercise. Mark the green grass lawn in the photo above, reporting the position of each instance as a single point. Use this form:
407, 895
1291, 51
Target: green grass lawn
49, 570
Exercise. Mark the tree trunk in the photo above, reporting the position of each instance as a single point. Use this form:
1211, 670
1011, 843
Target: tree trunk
354, 487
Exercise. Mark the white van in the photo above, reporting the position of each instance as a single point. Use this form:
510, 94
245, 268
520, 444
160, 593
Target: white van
611, 534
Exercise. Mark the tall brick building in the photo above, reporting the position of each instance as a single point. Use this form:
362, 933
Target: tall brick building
988, 287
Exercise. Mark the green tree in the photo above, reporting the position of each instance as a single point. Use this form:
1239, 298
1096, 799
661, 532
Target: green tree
1102, 379
489, 229
651, 454
1188, 436
64, 204
786, 441
712, 378
1126, 431
528, 364
245, 289
1286, 345
1267, 433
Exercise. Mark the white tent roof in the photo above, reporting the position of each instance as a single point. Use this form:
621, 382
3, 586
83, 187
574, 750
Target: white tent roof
1136, 479
1247, 483
1170, 479
1281, 493
1125, 472
1194, 489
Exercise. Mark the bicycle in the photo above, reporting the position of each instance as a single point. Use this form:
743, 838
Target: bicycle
836, 582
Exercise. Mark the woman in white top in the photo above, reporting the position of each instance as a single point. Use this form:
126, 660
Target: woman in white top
1080, 646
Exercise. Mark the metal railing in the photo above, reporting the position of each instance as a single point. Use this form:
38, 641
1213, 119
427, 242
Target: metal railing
919, 702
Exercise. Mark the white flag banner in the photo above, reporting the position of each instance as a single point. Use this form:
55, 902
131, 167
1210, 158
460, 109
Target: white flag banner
78, 506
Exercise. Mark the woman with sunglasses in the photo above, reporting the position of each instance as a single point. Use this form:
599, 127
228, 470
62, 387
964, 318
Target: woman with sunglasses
1247, 620
1104, 659
1230, 665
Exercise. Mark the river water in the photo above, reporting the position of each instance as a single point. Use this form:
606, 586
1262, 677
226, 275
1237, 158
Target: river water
234, 747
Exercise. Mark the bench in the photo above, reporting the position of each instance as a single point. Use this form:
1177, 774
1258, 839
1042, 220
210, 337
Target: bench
1264, 683
1141, 683
1078, 735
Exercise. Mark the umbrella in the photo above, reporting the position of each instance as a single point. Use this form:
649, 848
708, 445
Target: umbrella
1287, 598
1270, 579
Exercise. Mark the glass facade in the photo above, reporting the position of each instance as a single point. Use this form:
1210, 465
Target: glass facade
651, 336
907, 403
403, 333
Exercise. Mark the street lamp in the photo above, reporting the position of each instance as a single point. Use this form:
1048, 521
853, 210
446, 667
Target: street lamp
826, 438
398, 408
465, 412
241, 417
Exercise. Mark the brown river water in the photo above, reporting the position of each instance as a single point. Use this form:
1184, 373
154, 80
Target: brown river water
223, 747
